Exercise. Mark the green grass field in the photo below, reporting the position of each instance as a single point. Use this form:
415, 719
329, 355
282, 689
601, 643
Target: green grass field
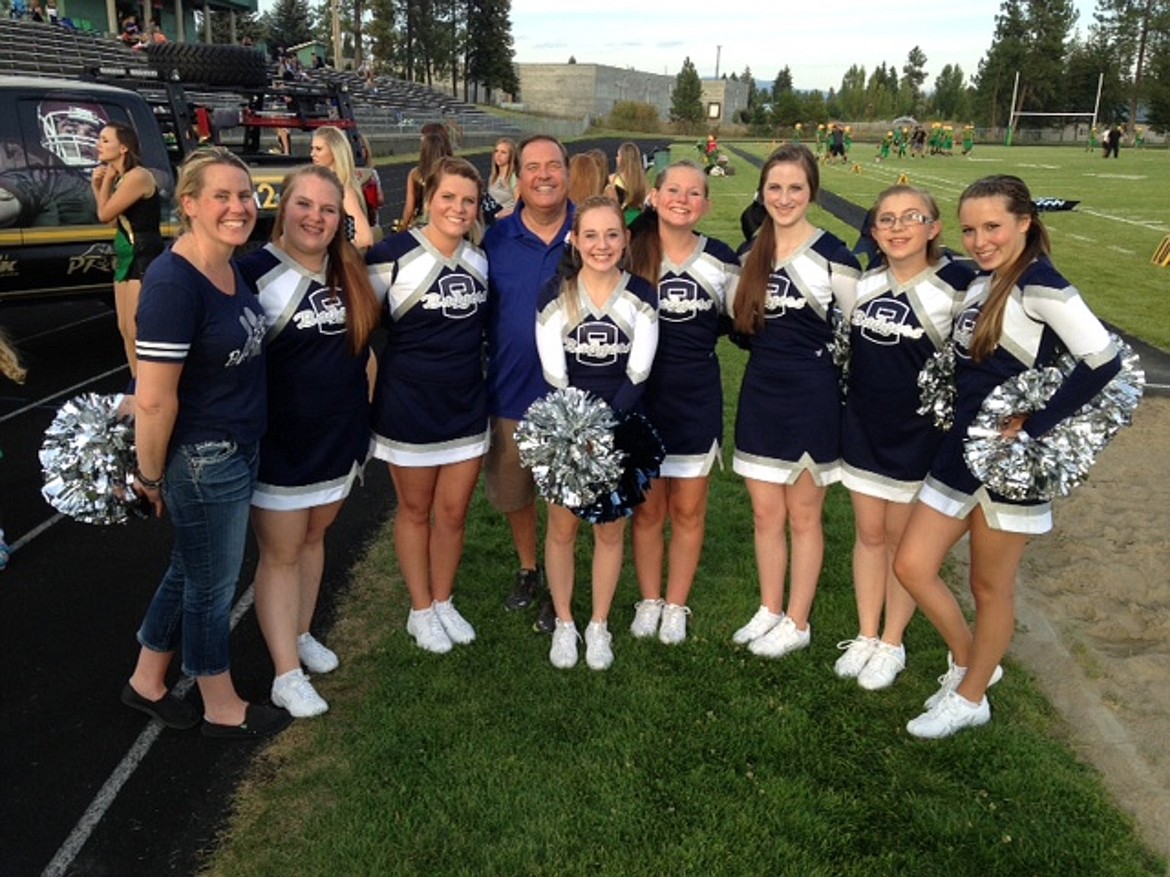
1104, 246
697, 759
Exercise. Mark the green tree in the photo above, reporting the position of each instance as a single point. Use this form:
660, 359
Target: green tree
753, 95
782, 83
290, 23
998, 67
913, 75
949, 100
248, 25
1138, 34
383, 32
851, 98
489, 41
686, 102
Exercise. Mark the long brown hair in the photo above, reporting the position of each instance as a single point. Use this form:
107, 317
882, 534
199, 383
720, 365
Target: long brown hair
757, 267
1018, 201
585, 180
632, 176
127, 137
345, 272
645, 256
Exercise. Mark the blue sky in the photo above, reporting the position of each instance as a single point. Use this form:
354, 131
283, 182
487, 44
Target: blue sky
818, 41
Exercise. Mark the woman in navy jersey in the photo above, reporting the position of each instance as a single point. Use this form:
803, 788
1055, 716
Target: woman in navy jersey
596, 330
906, 307
1020, 314
430, 403
684, 395
201, 409
787, 430
320, 311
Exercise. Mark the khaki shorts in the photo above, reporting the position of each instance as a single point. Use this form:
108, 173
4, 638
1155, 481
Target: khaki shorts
509, 485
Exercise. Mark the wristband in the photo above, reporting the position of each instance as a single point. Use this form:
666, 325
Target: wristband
148, 483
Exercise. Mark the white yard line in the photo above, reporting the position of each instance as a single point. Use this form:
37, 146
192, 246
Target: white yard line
137, 753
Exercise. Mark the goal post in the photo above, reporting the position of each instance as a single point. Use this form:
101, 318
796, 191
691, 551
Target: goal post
1017, 114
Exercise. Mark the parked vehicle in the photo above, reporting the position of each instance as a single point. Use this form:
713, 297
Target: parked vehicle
51, 243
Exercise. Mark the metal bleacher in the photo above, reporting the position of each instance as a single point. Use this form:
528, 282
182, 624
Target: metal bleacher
387, 108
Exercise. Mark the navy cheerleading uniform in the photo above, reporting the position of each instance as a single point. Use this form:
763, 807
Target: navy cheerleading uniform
684, 395
789, 417
318, 400
430, 401
1044, 316
606, 351
887, 447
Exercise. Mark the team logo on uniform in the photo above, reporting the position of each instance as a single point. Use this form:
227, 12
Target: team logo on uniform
456, 295
777, 301
680, 299
965, 332
327, 314
253, 324
886, 321
596, 344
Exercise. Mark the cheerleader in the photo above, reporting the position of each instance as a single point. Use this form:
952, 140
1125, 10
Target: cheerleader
320, 311
684, 395
905, 309
596, 329
1019, 315
430, 403
787, 431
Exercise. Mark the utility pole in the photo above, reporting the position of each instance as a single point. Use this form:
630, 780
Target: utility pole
718, 52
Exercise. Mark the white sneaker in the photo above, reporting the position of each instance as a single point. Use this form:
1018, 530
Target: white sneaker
674, 624
316, 657
952, 713
598, 646
294, 692
646, 616
763, 621
563, 654
458, 629
857, 652
950, 680
426, 628
781, 640
883, 667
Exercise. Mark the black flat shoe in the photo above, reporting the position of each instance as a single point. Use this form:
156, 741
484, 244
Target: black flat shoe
260, 720
168, 709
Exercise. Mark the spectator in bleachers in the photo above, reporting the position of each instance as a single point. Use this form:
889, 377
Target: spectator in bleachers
34, 12
130, 31
51, 11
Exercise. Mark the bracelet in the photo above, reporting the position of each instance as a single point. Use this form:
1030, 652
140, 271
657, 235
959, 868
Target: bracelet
148, 483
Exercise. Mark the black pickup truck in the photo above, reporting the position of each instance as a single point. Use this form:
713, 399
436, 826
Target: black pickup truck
51, 243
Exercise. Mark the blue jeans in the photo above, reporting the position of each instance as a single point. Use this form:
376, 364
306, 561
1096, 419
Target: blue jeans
208, 492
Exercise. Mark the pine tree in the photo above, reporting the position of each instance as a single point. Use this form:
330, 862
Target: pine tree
686, 102
489, 41
290, 23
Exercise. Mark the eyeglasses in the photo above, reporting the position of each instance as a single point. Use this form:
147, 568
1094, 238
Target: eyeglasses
888, 221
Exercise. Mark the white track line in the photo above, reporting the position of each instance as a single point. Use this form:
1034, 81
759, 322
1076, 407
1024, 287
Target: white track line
63, 326
67, 391
137, 753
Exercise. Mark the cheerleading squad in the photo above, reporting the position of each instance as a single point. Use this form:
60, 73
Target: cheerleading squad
254, 399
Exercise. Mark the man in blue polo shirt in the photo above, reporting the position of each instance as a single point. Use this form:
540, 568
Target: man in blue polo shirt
523, 252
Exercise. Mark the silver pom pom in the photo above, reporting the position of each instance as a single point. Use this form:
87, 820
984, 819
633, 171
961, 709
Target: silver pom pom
1053, 465
840, 346
87, 459
567, 440
936, 387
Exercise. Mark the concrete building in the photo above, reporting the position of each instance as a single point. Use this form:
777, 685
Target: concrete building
591, 90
